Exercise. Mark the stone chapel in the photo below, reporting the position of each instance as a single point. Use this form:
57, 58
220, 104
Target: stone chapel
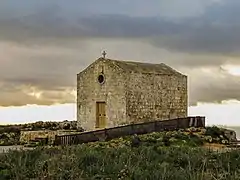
111, 93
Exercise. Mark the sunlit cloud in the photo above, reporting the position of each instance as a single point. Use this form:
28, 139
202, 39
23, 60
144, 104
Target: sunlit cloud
232, 69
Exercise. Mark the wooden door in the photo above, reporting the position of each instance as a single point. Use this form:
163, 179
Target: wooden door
100, 115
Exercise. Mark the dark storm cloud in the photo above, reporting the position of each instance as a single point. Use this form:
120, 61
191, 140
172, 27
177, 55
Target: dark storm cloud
45, 44
210, 33
48, 25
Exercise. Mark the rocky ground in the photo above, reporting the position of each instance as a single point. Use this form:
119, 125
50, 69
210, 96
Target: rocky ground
10, 134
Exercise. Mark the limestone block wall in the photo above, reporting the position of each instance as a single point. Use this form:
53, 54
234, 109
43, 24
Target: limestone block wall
112, 91
150, 97
26, 136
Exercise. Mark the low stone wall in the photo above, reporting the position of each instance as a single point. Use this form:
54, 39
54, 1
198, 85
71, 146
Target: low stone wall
140, 128
27, 136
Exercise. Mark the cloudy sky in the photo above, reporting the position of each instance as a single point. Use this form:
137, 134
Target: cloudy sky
44, 44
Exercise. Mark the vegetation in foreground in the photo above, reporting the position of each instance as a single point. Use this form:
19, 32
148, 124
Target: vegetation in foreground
167, 155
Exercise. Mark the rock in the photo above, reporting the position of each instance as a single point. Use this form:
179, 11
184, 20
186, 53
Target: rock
230, 134
135, 141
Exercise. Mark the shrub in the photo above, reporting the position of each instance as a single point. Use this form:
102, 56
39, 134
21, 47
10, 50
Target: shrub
101, 161
214, 132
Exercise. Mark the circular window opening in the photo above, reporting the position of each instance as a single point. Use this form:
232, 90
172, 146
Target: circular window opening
100, 78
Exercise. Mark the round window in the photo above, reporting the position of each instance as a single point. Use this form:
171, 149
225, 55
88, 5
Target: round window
101, 79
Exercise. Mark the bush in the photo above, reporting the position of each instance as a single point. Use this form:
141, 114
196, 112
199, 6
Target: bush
118, 160
214, 131
158, 155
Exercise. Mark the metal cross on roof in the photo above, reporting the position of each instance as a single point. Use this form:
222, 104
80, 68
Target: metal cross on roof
104, 54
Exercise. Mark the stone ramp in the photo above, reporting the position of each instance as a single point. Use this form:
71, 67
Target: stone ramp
140, 128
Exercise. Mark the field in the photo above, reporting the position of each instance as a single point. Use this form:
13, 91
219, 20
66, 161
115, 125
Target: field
176, 155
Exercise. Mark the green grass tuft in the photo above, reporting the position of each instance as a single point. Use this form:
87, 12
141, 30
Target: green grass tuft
166, 155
